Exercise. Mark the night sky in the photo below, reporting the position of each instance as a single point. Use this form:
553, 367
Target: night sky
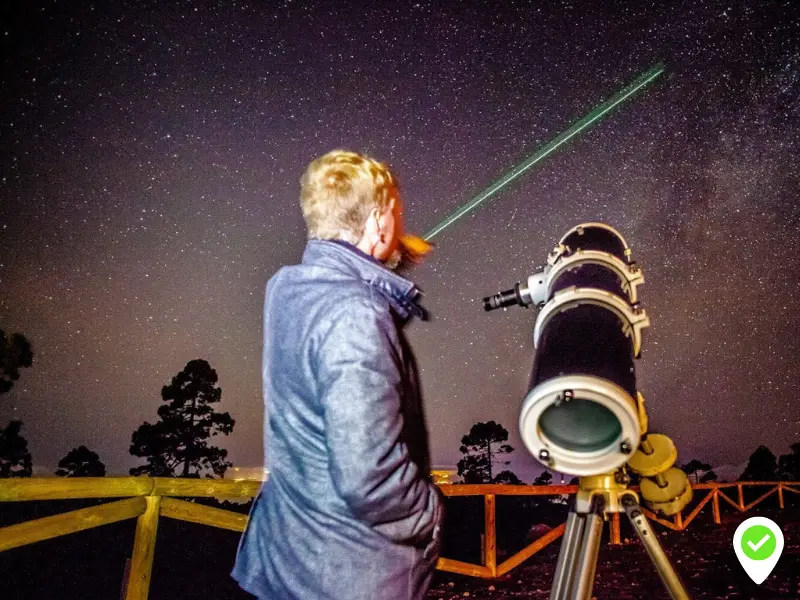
150, 156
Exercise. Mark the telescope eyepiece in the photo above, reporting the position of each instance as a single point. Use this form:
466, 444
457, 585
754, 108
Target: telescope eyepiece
504, 299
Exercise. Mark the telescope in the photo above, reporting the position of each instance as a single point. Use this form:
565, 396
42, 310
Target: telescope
584, 414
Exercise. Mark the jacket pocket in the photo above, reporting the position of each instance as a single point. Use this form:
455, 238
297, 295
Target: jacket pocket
434, 546
249, 521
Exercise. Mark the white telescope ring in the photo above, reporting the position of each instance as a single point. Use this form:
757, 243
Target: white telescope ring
634, 320
584, 387
630, 278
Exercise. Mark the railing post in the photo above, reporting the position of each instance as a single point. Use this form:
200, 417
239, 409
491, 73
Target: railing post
715, 506
780, 495
490, 541
741, 496
144, 547
614, 529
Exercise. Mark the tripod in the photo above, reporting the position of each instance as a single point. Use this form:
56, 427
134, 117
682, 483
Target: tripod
599, 495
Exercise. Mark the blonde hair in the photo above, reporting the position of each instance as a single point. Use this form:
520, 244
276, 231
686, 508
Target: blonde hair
337, 192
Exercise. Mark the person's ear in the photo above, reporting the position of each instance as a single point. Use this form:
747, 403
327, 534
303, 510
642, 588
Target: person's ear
372, 222
372, 227
382, 215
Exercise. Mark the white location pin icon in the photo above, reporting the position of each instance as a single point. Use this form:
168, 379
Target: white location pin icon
758, 543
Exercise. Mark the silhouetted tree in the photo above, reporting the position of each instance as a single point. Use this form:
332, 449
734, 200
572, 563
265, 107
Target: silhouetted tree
479, 454
694, 466
472, 469
15, 353
177, 445
546, 478
15, 460
763, 466
507, 477
81, 462
789, 464
708, 476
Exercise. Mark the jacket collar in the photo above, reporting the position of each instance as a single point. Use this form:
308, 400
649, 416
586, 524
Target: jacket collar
401, 293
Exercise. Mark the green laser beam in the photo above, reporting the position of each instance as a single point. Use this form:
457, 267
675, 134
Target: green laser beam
593, 117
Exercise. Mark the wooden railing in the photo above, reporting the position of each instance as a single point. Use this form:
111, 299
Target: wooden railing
490, 568
148, 498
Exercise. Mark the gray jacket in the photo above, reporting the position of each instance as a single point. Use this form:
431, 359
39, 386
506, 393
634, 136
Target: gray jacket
348, 510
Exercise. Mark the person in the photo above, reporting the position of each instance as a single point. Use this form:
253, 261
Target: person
348, 510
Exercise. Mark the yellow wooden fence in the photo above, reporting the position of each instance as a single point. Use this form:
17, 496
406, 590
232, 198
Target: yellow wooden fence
147, 498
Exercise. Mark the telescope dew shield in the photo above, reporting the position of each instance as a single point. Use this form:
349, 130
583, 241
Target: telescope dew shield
581, 414
592, 236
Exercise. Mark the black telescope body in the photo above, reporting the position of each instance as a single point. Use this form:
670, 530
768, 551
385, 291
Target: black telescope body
585, 340
591, 276
580, 414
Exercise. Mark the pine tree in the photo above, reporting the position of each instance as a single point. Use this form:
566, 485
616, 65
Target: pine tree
508, 477
708, 476
694, 467
81, 462
15, 353
177, 445
15, 460
763, 466
478, 452
789, 464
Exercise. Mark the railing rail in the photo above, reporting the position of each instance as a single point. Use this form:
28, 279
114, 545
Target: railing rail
148, 498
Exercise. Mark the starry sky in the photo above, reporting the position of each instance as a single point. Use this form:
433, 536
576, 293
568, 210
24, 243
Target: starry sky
150, 155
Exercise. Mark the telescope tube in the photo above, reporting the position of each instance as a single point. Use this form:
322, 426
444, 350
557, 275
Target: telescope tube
581, 413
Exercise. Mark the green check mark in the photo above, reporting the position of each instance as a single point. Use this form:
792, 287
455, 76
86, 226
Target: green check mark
758, 542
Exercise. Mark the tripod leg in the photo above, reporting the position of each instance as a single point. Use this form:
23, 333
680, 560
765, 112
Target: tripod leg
668, 575
590, 548
570, 545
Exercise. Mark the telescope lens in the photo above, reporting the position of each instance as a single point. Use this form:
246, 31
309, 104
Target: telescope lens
580, 426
